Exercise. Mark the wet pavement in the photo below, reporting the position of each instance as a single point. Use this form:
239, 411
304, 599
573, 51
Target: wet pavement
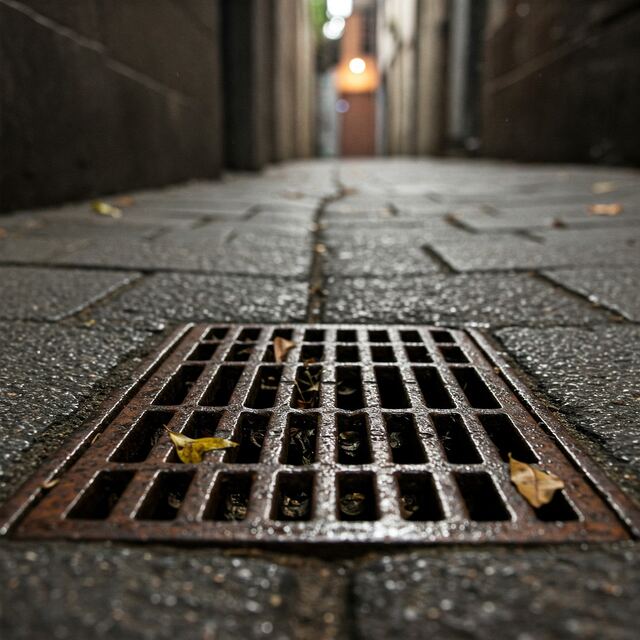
514, 250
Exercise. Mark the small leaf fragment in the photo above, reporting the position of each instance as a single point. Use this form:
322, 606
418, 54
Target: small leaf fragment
106, 209
282, 346
536, 486
611, 209
190, 450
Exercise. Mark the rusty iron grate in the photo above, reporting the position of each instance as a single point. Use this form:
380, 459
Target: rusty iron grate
405, 440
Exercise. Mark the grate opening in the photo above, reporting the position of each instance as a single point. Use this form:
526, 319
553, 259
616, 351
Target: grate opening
455, 439
356, 497
481, 497
293, 496
475, 389
203, 352
418, 497
393, 394
410, 336
301, 439
506, 437
417, 353
353, 439
382, 442
453, 354
241, 352
143, 437
404, 440
221, 389
179, 385
307, 387
165, 496
382, 354
265, 388
349, 393
311, 352
250, 435
378, 335
432, 388
230, 497
347, 353
101, 496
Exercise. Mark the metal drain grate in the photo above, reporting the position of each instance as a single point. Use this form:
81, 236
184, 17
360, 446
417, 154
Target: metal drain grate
404, 440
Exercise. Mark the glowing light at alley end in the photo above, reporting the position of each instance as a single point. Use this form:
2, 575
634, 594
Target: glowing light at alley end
357, 65
334, 28
339, 8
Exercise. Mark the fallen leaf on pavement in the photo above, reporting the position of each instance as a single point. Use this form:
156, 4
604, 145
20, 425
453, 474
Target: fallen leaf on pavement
536, 486
282, 346
603, 187
612, 209
124, 201
191, 450
106, 209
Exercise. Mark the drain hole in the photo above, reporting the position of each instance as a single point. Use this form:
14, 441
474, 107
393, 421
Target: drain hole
433, 390
269, 356
417, 353
203, 352
455, 439
265, 388
301, 439
346, 335
347, 353
356, 497
178, 387
442, 336
481, 497
221, 389
217, 333
240, 352
382, 354
353, 439
506, 437
378, 336
142, 437
418, 497
404, 441
99, 498
475, 388
287, 334
314, 335
393, 395
453, 354
165, 497
249, 434
249, 335
311, 352
349, 393
230, 497
293, 496
410, 336
306, 391
558, 510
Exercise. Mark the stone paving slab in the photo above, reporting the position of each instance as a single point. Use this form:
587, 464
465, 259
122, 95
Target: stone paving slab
510, 594
164, 299
474, 299
617, 289
52, 294
593, 376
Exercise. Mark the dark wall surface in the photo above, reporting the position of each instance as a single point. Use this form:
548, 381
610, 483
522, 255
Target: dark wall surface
99, 96
562, 81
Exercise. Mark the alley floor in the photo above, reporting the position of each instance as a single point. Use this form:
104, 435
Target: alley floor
544, 259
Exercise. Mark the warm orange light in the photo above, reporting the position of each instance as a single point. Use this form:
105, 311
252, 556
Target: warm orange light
357, 66
357, 75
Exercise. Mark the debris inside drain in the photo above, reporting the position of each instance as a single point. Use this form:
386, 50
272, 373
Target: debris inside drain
323, 434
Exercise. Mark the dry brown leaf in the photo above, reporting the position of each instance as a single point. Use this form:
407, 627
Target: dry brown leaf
124, 201
612, 209
191, 450
536, 486
603, 187
282, 346
106, 209
320, 248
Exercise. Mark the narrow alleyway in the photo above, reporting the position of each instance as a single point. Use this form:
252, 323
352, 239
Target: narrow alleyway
544, 259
